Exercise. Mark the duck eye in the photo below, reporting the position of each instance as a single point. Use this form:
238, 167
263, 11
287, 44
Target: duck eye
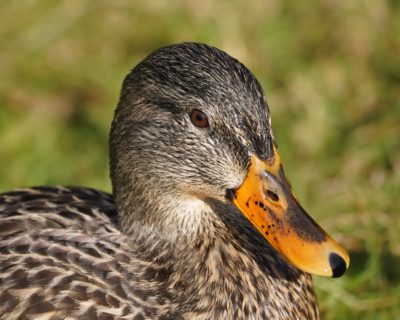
199, 119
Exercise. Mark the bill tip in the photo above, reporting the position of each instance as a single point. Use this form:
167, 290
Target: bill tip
338, 265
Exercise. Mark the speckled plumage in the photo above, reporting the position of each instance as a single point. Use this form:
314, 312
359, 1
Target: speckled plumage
171, 246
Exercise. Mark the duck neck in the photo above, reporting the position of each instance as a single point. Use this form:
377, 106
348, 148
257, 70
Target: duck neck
178, 220
204, 250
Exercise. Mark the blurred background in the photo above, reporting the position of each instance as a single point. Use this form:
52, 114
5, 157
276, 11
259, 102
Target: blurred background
331, 73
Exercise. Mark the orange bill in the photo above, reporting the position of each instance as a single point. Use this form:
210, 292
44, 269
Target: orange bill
266, 199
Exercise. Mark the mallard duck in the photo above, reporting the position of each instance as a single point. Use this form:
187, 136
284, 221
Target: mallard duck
202, 223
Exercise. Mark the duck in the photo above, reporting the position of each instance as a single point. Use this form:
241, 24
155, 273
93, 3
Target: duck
201, 223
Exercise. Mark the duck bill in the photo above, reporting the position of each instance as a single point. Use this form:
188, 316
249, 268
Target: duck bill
266, 199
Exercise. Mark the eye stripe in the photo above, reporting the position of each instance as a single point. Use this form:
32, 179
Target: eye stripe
199, 119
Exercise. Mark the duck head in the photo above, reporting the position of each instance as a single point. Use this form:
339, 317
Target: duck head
193, 124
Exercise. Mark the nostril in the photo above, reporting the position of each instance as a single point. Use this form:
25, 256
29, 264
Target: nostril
272, 195
338, 265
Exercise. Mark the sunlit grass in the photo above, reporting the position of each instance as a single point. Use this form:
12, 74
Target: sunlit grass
331, 74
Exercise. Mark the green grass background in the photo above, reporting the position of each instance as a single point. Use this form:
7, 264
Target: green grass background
331, 72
